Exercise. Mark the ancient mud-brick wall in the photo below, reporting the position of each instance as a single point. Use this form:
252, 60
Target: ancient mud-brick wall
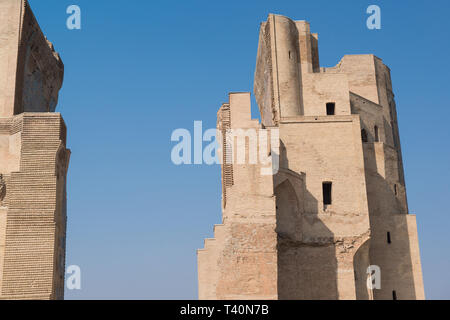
338, 132
240, 262
33, 160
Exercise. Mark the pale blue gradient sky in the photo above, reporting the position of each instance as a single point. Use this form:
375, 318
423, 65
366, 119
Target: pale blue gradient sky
140, 69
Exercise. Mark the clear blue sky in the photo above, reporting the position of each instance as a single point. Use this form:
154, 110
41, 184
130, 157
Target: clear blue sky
139, 69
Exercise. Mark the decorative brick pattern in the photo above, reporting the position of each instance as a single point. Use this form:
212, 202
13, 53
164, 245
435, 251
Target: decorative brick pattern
33, 161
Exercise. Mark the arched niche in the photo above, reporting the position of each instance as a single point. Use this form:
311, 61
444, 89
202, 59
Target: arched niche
360, 264
289, 204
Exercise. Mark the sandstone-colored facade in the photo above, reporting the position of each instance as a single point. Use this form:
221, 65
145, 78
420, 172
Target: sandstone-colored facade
33, 160
337, 203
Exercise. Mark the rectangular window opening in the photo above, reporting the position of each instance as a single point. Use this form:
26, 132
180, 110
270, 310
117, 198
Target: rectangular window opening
326, 187
394, 295
331, 108
389, 237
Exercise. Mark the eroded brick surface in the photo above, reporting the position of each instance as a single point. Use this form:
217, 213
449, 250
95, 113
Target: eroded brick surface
33, 160
279, 240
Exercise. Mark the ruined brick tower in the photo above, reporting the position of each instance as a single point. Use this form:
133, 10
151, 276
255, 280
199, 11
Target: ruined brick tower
336, 205
33, 160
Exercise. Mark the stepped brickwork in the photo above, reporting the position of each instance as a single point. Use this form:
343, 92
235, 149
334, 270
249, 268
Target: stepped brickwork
33, 160
336, 203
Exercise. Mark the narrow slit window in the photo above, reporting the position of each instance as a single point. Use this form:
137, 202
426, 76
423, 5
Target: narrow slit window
377, 138
395, 189
326, 187
389, 237
394, 295
393, 134
331, 106
364, 135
